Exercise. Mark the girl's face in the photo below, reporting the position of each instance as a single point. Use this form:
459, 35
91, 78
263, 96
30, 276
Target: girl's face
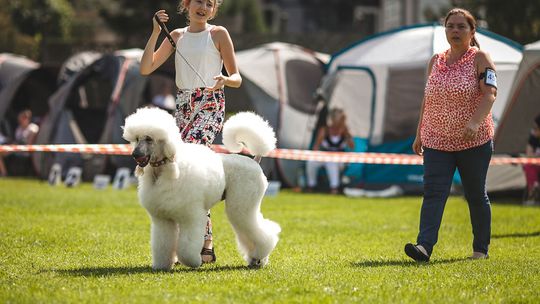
201, 10
458, 31
536, 131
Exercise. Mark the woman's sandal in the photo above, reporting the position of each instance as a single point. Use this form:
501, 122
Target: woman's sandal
208, 252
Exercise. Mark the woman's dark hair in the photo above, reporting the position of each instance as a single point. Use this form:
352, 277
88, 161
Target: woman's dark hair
470, 20
537, 120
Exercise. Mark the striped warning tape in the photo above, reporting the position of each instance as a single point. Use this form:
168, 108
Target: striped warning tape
290, 154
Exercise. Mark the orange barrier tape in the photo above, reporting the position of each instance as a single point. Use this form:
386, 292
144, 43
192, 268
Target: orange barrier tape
290, 154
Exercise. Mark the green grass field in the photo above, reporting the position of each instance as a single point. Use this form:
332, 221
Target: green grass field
83, 245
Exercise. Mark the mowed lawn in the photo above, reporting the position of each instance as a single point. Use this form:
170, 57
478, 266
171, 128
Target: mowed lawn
81, 245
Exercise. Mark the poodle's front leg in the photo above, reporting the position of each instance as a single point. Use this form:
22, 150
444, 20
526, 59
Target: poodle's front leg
191, 240
164, 237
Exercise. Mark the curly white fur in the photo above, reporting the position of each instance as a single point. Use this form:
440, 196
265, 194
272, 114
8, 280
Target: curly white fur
249, 130
178, 193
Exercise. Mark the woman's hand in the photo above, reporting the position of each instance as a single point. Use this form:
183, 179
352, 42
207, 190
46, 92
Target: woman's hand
220, 82
470, 131
417, 146
162, 16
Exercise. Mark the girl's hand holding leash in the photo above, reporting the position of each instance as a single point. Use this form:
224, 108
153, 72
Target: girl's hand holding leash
220, 82
162, 16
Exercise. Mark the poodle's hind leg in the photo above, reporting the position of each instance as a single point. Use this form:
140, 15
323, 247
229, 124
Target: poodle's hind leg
191, 240
163, 239
256, 236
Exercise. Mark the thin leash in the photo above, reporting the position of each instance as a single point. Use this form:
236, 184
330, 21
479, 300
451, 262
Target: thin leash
184, 94
165, 30
171, 40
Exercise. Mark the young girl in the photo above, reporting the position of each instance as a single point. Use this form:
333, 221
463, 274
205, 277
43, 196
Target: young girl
201, 51
334, 137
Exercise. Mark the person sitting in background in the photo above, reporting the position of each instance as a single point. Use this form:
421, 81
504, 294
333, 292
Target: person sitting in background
25, 134
333, 137
3, 141
533, 171
26, 131
165, 99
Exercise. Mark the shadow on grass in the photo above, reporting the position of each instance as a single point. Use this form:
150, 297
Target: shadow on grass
119, 271
516, 235
383, 263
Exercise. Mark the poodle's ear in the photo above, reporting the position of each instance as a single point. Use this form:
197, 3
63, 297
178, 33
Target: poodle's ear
169, 149
139, 171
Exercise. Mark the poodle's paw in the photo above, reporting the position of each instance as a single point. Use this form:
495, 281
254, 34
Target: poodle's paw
258, 263
162, 267
191, 262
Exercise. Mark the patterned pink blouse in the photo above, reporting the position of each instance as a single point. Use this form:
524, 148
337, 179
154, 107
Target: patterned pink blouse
451, 97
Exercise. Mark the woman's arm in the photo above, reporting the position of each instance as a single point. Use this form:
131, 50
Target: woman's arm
225, 46
417, 144
529, 151
489, 93
320, 136
151, 60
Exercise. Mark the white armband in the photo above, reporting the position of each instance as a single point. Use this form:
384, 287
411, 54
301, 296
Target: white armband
490, 77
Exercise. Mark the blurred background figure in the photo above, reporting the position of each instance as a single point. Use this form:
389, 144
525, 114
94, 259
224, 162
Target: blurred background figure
165, 99
26, 131
334, 137
25, 134
532, 172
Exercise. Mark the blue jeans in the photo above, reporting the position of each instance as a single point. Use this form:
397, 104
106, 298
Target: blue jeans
439, 168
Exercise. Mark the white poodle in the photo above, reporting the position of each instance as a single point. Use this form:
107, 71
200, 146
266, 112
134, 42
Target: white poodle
185, 180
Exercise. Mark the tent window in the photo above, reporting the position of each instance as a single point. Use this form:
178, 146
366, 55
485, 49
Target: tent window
403, 102
302, 79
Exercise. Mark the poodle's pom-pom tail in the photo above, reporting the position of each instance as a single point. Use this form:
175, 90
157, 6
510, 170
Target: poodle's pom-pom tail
249, 130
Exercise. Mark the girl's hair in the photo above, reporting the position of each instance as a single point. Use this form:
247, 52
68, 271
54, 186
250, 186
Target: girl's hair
470, 20
183, 7
335, 115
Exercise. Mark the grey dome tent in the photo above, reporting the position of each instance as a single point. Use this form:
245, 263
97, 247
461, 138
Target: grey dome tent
24, 84
279, 82
96, 93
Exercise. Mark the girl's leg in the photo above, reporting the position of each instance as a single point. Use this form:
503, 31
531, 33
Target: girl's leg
312, 167
332, 169
439, 168
473, 165
206, 124
207, 253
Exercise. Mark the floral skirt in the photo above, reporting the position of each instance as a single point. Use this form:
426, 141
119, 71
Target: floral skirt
200, 114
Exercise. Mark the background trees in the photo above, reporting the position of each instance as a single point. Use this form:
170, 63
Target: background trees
41, 29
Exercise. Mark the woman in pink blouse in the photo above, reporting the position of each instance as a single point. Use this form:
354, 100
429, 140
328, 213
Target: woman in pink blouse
455, 131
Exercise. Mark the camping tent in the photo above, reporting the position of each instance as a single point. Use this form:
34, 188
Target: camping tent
517, 120
24, 84
279, 81
380, 82
96, 93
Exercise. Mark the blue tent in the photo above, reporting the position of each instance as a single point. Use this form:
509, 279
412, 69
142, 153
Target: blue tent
380, 80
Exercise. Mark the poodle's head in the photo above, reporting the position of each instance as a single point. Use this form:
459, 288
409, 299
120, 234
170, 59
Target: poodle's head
153, 134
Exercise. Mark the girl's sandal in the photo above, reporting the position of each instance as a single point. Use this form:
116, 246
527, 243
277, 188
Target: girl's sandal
208, 252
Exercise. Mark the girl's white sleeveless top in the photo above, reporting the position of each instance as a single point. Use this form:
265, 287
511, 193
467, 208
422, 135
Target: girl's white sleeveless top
201, 53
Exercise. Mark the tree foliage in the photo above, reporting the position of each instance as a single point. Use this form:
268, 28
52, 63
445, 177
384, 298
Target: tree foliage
25, 23
46, 18
248, 11
132, 20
